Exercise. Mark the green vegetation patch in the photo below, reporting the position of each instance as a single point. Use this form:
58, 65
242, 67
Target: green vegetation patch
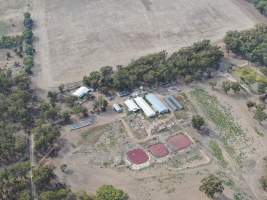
261, 5
232, 134
250, 75
217, 152
250, 44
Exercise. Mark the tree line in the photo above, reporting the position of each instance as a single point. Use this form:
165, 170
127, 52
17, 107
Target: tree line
261, 5
191, 63
250, 44
15, 185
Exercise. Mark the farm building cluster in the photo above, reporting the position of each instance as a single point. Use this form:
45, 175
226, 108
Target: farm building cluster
151, 135
151, 105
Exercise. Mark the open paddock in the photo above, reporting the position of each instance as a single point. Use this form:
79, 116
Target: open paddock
77, 37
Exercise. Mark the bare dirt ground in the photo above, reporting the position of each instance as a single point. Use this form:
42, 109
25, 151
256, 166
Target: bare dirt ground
11, 16
77, 37
157, 182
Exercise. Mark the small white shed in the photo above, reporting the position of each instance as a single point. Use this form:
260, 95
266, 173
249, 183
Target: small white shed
81, 92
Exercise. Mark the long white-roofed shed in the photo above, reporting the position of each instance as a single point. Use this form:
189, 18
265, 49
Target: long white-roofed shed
131, 105
81, 92
149, 112
156, 104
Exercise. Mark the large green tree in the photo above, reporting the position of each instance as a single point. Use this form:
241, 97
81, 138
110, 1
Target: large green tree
108, 192
211, 185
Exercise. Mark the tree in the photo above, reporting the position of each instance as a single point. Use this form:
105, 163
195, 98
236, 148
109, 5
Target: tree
78, 109
198, 122
108, 192
250, 104
226, 85
93, 80
28, 22
260, 115
106, 76
236, 87
61, 194
211, 186
83, 196
100, 104
27, 36
61, 88
213, 84
70, 100
42, 177
52, 97
66, 116
262, 88
29, 50
250, 44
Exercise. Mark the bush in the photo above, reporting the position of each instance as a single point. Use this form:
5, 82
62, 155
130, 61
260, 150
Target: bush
198, 122
108, 192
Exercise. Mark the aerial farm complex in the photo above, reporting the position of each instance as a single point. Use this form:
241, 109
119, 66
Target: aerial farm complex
133, 99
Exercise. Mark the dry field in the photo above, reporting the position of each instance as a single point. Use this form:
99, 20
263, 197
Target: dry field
76, 37
11, 16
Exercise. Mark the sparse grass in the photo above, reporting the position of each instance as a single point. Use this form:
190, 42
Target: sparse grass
181, 114
259, 132
104, 137
217, 152
181, 159
91, 136
3, 28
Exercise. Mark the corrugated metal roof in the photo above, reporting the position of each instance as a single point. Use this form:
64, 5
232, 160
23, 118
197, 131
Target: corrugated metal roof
81, 92
175, 102
117, 107
149, 112
170, 104
156, 104
132, 107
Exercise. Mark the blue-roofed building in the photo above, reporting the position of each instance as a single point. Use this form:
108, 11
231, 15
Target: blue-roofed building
156, 103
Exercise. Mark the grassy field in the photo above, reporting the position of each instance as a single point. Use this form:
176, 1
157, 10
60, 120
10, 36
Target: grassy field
250, 75
217, 152
234, 138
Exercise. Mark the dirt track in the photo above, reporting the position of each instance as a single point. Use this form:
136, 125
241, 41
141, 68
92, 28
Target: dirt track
76, 37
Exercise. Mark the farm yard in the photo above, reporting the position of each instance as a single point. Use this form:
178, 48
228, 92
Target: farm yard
98, 150
96, 33
153, 124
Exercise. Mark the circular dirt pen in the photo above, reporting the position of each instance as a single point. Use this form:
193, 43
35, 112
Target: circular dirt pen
179, 142
158, 150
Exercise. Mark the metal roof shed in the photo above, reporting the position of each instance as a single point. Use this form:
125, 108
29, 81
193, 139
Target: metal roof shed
131, 105
145, 107
157, 105
170, 104
117, 108
175, 102
81, 92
